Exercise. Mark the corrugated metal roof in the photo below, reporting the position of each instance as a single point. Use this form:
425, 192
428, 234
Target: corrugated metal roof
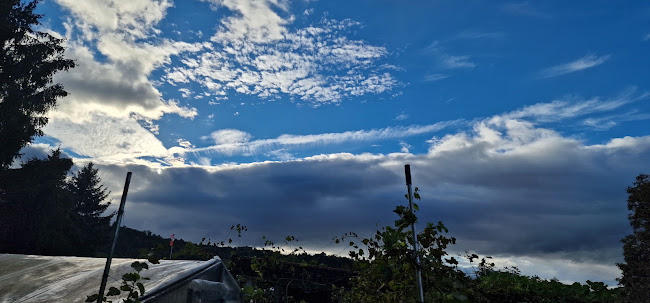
29, 278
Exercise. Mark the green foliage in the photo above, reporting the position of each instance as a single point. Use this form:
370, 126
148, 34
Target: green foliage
270, 274
636, 247
510, 286
28, 60
386, 264
191, 251
131, 285
280, 273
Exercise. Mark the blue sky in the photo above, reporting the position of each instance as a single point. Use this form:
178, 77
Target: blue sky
296, 117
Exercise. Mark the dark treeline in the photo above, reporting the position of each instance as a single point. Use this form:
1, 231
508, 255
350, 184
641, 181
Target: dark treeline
135, 243
46, 212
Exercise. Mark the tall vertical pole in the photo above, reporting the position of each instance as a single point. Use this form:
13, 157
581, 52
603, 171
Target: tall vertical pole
118, 222
171, 245
418, 273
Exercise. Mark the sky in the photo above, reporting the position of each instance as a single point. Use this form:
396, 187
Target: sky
523, 122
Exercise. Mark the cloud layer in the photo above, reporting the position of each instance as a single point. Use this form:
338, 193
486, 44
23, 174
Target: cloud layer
505, 188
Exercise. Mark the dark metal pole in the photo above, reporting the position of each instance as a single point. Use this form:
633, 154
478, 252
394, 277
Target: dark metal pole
118, 221
418, 273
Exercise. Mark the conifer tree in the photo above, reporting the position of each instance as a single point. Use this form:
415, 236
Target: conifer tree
636, 247
28, 60
89, 196
37, 208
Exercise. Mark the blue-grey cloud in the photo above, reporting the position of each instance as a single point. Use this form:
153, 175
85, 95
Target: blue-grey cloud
505, 188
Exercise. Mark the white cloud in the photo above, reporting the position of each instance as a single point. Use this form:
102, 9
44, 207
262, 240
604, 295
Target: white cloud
280, 154
583, 63
106, 138
646, 37
497, 135
435, 77
184, 143
117, 89
259, 55
404, 147
185, 93
449, 61
574, 107
230, 136
112, 107
231, 141
607, 122
401, 117
116, 47
255, 21
135, 17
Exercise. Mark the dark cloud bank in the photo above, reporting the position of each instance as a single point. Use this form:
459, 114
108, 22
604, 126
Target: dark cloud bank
549, 198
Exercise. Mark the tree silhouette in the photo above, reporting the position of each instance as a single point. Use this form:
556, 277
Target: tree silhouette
28, 60
88, 195
36, 208
636, 247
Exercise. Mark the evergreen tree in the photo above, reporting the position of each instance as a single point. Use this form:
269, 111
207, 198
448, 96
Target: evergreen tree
37, 208
89, 196
636, 247
28, 60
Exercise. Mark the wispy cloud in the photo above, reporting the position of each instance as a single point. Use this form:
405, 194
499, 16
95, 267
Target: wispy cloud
241, 145
404, 147
435, 77
478, 35
583, 63
524, 9
572, 107
401, 117
445, 59
646, 37
450, 61
607, 122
